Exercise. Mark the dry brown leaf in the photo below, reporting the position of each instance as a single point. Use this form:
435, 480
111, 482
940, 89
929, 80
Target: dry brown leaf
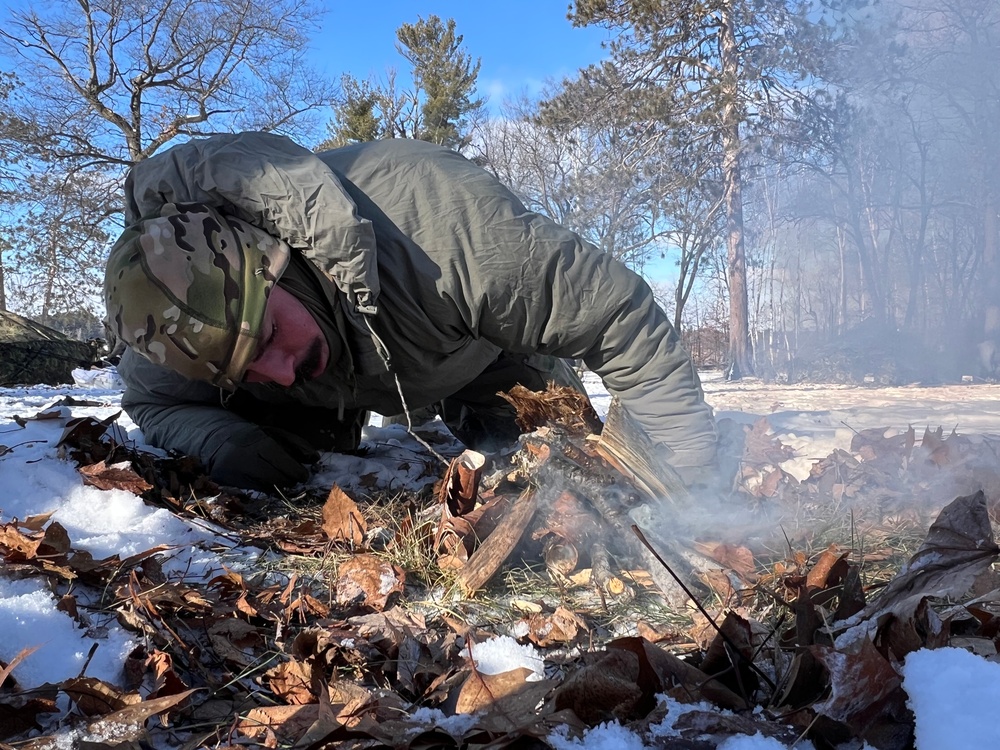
719, 582
769, 484
663, 671
368, 581
287, 722
67, 604
236, 642
342, 520
872, 442
127, 723
735, 557
732, 668
291, 681
453, 554
762, 447
655, 633
152, 596
55, 541
17, 542
82, 432
36, 522
393, 623
305, 607
606, 690
97, 698
165, 679
935, 446
118, 476
860, 682
958, 547
562, 626
347, 700
480, 691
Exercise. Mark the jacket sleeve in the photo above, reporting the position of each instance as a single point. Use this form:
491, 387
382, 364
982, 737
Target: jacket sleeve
271, 182
534, 286
184, 415
596, 309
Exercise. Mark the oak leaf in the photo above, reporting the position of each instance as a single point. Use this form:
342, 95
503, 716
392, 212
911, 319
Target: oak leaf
342, 520
118, 476
368, 581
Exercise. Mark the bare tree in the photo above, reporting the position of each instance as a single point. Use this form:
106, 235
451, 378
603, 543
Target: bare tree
111, 81
14, 132
728, 66
103, 84
60, 249
593, 171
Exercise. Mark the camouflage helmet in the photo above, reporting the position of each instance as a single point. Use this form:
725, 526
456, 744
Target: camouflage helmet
187, 289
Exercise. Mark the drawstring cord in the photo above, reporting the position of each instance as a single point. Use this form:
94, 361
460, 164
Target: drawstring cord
383, 353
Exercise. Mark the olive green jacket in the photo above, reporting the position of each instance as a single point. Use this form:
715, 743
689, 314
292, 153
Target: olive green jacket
449, 266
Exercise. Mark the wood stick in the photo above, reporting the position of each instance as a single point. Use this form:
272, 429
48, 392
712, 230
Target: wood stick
499, 545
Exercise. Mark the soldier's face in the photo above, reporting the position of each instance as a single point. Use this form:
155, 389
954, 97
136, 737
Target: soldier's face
292, 348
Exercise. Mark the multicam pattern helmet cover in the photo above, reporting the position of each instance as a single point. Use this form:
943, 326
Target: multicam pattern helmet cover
187, 289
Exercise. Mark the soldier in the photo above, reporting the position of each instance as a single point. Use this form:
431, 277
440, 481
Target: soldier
270, 296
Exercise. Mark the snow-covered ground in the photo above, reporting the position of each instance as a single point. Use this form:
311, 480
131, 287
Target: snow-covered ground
952, 693
816, 419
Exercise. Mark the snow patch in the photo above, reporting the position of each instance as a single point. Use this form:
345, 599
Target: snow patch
954, 696
503, 654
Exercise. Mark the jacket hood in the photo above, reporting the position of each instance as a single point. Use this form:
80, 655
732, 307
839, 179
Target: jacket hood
270, 182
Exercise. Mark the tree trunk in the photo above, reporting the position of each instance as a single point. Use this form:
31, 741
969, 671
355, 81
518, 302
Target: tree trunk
740, 348
51, 269
989, 349
841, 319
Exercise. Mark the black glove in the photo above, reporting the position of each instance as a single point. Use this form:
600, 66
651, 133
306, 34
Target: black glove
296, 446
252, 459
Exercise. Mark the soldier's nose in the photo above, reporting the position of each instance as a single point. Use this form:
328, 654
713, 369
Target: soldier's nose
272, 367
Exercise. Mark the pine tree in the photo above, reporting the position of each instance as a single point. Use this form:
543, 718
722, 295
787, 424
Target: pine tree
445, 74
724, 71
440, 107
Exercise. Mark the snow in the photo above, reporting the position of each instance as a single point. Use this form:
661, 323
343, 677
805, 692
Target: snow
817, 419
601, 737
456, 725
29, 618
954, 696
504, 654
953, 693
756, 742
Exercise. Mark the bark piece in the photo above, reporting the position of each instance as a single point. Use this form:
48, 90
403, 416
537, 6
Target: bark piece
557, 404
604, 579
627, 447
499, 545
463, 481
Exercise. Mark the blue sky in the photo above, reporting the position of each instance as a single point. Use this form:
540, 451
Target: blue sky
522, 43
